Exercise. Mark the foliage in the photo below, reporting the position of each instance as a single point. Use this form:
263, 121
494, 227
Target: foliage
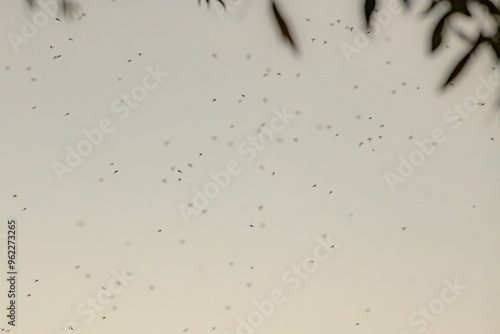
67, 7
455, 8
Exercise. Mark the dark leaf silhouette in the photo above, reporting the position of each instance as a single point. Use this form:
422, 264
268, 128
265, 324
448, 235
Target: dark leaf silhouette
495, 43
208, 3
369, 8
460, 66
491, 7
68, 7
283, 27
437, 35
432, 6
496, 48
460, 6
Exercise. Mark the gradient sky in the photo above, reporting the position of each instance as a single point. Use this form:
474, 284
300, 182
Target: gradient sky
205, 275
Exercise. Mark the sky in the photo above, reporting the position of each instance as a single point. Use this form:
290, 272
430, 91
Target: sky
173, 168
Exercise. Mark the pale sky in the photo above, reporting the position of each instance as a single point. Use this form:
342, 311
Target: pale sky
418, 254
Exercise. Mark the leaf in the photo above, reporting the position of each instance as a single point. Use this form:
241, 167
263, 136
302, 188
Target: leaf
437, 35
208, 3
69, 7
369, 8
496, 48
459, 67
283, 26
431, 7
495, 42
491, 7
460, 6
222, 3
